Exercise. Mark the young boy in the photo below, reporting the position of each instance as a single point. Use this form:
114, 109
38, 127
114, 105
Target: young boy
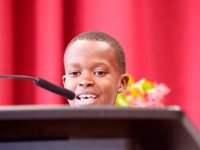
94, 69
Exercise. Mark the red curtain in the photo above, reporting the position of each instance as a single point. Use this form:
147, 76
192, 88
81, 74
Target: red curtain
161, 40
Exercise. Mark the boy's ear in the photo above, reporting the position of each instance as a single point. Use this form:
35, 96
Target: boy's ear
63, 79
123, 83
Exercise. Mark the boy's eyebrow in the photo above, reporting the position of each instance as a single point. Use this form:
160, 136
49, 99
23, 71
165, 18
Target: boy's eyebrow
101, 63
73, 64
107, 64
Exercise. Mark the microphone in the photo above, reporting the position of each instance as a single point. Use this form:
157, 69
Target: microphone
44, 84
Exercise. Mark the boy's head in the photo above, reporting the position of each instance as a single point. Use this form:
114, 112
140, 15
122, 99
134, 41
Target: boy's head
94, 69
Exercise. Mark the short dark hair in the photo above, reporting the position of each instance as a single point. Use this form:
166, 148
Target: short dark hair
101, 36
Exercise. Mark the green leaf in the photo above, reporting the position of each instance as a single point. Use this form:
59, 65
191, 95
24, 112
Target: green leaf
147, 85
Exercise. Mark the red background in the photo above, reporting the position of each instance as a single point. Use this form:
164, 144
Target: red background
161, 40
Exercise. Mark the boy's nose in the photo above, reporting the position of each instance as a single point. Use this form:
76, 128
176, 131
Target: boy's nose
86, 83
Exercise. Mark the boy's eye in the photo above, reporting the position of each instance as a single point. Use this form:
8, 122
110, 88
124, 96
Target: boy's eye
99, 73
74, 73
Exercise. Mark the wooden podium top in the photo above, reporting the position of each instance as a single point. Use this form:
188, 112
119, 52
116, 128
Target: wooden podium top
164, 128
29, 112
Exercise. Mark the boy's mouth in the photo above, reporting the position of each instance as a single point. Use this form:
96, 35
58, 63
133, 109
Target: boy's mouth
86, 99
86, 96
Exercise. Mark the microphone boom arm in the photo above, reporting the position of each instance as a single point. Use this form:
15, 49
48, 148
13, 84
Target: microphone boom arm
44, 84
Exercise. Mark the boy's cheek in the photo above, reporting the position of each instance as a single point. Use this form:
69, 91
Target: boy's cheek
69, 84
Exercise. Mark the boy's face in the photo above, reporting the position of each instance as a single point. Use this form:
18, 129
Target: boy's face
91, 72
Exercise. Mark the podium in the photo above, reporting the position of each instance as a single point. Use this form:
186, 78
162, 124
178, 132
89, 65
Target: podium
91, 128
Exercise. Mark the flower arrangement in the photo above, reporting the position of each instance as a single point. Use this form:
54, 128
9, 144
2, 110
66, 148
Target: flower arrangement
143, 93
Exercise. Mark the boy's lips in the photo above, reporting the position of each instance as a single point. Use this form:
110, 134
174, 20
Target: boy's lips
87, 95
86, 98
